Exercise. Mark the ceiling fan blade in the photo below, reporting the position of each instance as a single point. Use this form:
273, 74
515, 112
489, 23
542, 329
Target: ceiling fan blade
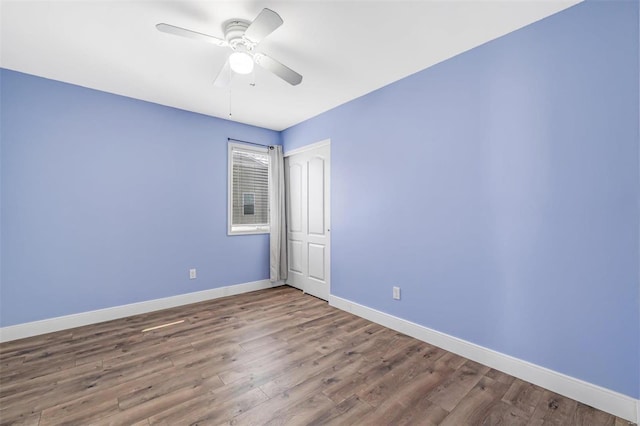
182, 32
282, 71
265, 23
223, 80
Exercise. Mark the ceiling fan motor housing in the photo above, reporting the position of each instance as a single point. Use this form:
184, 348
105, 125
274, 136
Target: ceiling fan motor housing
234, 35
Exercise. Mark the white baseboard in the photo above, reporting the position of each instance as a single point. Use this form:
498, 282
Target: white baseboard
596, 396
35, 328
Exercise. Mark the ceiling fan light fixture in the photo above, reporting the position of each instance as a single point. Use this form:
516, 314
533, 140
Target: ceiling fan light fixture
241, 62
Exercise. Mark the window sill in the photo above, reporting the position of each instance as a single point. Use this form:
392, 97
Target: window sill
248, 230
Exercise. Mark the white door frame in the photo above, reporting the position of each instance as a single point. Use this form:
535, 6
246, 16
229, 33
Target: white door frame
309, 147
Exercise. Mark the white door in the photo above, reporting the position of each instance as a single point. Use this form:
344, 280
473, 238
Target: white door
308, 220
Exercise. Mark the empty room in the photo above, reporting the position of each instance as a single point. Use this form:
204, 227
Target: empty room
320, 212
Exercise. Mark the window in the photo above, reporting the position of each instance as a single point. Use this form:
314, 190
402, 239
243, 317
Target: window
248, 190
248, 203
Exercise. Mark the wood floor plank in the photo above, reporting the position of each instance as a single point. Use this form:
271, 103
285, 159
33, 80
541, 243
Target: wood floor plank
503, 413
277, 405
195, 357
79, 412
162, 351
22, 419
24, 346
156, 385
476, 407
22, 372
409, 404
273, 356
276, 364
388, 385
454, 389
524, 396
86, 403
23, 391
589, 416
500, 376
333, 363
553, 410
348, 412
151, 403
196, 408
321, 321
8, 365
373, 372
304, 413
393, 412
95, 381
284, 392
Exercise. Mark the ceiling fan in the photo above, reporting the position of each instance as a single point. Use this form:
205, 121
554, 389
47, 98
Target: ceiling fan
242, 37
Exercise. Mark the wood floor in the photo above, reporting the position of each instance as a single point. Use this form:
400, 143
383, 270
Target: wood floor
270, 357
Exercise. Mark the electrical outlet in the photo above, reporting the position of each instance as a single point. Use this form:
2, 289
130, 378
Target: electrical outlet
396, 293
192, 274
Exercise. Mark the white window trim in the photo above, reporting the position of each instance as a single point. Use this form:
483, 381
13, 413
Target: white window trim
241, 229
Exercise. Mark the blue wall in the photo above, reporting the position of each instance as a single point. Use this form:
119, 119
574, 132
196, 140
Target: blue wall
108, 200
500, 191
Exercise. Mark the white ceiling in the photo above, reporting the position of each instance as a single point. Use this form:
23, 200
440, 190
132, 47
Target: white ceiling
344, 49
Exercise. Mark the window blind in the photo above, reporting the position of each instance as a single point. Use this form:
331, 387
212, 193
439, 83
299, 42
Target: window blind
249, 190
